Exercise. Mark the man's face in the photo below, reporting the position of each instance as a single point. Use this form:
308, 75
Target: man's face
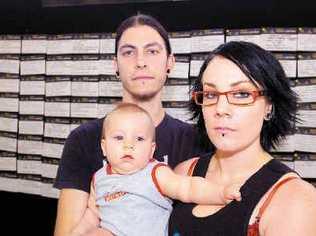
142, 62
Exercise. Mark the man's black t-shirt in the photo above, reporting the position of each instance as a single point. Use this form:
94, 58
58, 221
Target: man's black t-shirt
176, 141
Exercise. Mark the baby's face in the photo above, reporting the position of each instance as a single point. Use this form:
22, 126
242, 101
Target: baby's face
128, 143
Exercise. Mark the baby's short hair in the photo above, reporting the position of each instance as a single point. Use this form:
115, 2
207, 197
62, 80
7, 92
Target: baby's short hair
126, 107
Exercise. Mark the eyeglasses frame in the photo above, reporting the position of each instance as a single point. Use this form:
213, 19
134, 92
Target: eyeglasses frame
255, 94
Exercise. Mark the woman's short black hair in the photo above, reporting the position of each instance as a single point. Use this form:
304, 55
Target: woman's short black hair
262, 68
142, 19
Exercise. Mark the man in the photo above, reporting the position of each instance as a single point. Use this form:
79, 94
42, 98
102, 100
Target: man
143, 61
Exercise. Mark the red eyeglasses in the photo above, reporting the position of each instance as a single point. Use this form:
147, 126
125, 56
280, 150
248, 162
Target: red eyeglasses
235, 97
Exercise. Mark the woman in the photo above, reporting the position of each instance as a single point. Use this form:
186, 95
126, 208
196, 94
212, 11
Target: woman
243, 102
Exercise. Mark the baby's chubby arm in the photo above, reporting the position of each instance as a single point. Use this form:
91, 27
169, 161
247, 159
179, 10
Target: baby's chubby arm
194, 189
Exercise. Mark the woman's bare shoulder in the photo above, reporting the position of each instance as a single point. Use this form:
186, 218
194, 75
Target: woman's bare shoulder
183, 167
292, 209
297, 190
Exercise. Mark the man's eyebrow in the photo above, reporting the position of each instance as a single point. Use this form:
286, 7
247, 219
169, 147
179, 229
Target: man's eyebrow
153, 44
127, 46
130, 46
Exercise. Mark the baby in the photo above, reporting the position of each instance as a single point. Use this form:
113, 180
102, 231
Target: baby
132, 193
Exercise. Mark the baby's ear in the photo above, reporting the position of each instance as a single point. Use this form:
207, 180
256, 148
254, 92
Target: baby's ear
103, 146
153, 148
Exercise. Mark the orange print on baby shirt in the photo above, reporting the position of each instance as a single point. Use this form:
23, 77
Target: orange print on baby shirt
113, 196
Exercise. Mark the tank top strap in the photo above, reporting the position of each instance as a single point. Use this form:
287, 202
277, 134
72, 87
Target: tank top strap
271, 194
192, 166
253, 230
201, 166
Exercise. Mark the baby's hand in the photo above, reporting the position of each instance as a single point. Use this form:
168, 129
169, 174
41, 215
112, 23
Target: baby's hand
231, 192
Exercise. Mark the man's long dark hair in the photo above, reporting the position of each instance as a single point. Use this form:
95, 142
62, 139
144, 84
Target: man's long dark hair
142, 19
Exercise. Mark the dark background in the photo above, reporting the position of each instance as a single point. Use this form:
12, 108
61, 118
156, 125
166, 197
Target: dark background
35, 215
28, 16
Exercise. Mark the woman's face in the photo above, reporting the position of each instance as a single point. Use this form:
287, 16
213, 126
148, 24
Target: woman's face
232, 128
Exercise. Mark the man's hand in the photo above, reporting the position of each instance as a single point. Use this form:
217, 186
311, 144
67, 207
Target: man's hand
99, 232
92, 205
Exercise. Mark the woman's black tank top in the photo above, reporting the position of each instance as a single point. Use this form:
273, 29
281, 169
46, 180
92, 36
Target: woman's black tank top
233, 219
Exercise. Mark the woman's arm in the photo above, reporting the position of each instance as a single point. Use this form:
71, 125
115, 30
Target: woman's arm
292, 211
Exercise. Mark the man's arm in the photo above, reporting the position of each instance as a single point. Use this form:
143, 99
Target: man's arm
191, 189
73, 178
72, 204
90, 221
88, 224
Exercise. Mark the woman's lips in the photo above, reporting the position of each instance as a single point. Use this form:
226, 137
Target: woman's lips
223, 130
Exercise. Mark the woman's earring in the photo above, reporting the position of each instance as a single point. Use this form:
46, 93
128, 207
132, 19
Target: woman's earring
117, 74
167, 76
269, 115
